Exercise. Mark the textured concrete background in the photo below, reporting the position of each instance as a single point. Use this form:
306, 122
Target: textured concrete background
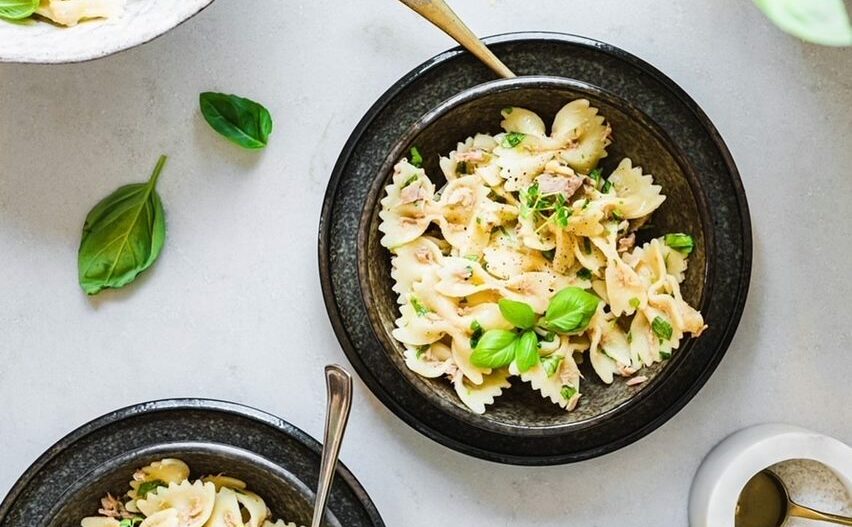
233, 309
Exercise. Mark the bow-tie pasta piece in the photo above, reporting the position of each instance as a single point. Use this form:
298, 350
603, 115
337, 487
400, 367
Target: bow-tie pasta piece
193, 502
163, 518
71, 12
583, 133
222, 481
477, 396
637, 194
255, 508
411, 261
407, 205
99, 521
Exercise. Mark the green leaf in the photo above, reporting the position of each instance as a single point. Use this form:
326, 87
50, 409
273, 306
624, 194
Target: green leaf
570, 310
242, 121
418, 306
519, 314
680, 242
596, 176
606, 187
526, 351
584, 273
419, 351
551, 364
495, 349
416, 158
568, 392
823, 22
477, 333
665, 355
122, 236
147, 486
513, 139
17, 9
130, 522
662, 328
634, 302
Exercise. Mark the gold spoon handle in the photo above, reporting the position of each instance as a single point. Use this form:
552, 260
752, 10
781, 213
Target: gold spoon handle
440, 14
804, 512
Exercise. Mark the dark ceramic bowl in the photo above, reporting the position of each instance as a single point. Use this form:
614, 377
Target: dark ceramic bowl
286, 497
679, 145
276, 459
521, 411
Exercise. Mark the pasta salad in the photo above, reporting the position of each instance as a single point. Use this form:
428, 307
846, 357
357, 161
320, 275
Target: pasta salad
162, 495
525, 263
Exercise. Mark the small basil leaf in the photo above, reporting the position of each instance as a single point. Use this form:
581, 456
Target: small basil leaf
568, 392
526, 351
241, 120
662, 328
416, 158
495, 349
551, 364
823, 22
476, 327
17, 9
513, 139
123, 236
570, 310
147, 486
519, 314
680, 242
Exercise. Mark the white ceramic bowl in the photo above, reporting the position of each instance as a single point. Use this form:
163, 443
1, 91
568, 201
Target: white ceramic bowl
142, 20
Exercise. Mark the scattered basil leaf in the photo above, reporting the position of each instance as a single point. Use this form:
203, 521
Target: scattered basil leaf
507, 110
551, 364
416, 158
477, 333
122, 236
418, 306
570, 310
17, 9
419, 351
568, 392
526, 351
584, 273
630, 337
634, 302
823, 22
680, 242
662, 328
665, 355
495, 349
606, 187
513, 139
519, 314
616, 215
147, 486
596, 176
130, 522
410, 180
242, 121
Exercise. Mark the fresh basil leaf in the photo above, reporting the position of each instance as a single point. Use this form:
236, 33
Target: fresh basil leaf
551, 364
147, 486
680, 242
17, 9
570, 310
823, 22
665, 355
131, 522
519, 314
122, 236
476, 327
416, 158
526, 351
606, 187
662, 328
513, 139
495, 349
241, 121
419, 351
568, 392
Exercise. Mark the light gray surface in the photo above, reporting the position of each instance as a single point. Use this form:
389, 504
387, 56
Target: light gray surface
233, 310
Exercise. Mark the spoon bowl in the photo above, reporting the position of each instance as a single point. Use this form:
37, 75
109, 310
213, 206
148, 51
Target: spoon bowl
765, 502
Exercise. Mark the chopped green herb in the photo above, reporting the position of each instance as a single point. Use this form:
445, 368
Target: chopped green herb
665, 355
507, 110
662, 328
421, 350
472, 257
477, 333
147, 486
630, 337
130, 522
462, 168
568, 392
410, 180
513, 139
680, 242
478, 220
549, 336
596, 176
606, 187
634, 302
418, 306
551, 364
584, 273
416, 158
616, 215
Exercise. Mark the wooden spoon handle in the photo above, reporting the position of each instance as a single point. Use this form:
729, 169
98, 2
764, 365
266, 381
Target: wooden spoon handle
440, 14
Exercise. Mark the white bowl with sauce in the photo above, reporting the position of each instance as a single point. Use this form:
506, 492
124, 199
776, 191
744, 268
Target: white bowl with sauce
41, 42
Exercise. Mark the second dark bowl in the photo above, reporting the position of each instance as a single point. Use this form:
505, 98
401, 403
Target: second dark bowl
520, 411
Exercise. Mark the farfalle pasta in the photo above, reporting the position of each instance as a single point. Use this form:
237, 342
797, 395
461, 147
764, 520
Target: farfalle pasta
525, 264
162, 495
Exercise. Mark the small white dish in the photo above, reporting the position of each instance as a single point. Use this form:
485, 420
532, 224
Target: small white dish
726, 469
142, 20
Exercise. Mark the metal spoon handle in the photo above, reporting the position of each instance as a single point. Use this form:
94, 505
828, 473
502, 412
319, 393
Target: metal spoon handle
440, 14
339, 392
799, 511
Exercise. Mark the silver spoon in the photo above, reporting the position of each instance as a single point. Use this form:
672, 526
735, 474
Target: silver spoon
440, 14
765, 502
338, 384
